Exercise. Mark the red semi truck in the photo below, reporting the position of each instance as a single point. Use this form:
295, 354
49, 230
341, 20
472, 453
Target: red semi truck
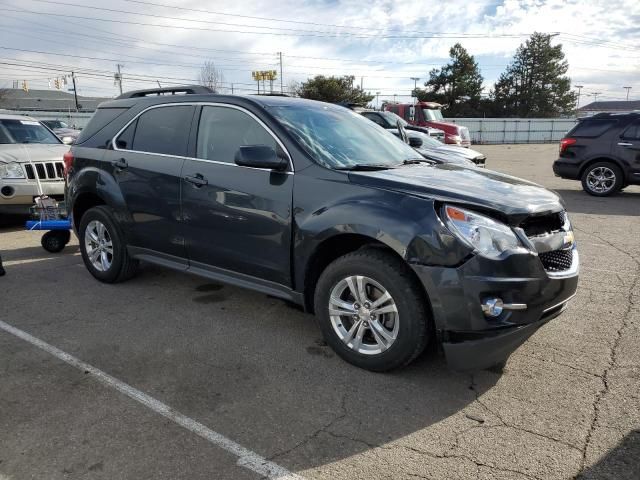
429, 114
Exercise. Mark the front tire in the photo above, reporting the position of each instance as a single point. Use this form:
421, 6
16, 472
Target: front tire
372, 311
602, 179
103, 248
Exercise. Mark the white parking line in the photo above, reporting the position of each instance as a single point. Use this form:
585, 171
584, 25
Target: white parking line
246, 458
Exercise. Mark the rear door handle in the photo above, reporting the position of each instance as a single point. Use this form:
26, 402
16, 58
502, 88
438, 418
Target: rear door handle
120, 164
196, 180
625, 144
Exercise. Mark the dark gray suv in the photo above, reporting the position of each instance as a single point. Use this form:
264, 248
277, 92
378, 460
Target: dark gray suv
315, 204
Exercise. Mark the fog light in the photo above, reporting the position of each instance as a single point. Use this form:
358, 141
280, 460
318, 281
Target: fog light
492, 307
7, 191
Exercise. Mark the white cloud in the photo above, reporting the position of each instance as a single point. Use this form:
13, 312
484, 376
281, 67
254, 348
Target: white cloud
599, 68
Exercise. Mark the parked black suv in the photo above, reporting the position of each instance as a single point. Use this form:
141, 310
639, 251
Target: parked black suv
603, 152
315, 204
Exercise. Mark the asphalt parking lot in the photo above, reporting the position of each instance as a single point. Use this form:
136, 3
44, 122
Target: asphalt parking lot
235, 380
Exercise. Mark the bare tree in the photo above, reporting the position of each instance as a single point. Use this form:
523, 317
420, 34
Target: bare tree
211, 77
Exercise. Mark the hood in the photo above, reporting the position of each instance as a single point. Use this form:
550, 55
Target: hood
463, 152
510, 196
21, 153
66, 132
444, 157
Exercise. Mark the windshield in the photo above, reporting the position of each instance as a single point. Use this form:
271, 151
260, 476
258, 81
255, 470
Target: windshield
392, 119
337, 137
55, 124
431, 114
25, 131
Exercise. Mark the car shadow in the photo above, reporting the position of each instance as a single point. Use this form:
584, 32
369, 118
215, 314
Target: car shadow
246, 365
623, 203
621, 463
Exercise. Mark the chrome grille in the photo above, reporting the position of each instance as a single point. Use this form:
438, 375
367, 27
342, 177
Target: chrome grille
557, 260
44, 170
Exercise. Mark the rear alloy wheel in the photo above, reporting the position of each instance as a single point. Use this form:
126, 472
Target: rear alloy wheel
371, 310
602, 179
103, 248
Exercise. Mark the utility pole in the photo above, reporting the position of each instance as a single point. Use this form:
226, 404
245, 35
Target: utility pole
627, 89
75, 91
118, 77
595, 96
361, 82
280, 57
579, 87
232, 89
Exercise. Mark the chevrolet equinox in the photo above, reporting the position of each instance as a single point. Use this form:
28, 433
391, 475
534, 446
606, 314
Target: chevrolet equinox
315, 204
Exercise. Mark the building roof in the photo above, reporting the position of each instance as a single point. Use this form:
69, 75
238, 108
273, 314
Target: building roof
613, 106
46, 100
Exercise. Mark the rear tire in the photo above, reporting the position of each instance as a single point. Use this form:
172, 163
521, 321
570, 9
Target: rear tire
103, 247
378, 337
602, 179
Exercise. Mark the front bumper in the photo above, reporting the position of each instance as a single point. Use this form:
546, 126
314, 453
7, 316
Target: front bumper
23, 192
472, 340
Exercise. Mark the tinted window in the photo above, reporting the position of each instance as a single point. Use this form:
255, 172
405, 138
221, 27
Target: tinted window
592, 128
164, 130
222, 131
632, 132
125, 139
100, 119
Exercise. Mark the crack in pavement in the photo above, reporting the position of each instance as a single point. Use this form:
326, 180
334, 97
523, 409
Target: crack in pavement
613, 353
317, 432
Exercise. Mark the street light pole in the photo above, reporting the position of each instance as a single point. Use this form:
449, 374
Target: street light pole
377, 102
415, 89
579, 87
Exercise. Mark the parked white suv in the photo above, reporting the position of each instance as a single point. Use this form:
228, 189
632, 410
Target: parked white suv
28, 152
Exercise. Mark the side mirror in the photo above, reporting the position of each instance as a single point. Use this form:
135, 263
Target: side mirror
415, 142
67, 140
260, 156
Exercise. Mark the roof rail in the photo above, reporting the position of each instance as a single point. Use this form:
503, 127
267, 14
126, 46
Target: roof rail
185, 90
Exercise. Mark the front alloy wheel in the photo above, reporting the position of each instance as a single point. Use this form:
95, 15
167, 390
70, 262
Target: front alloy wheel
363, 315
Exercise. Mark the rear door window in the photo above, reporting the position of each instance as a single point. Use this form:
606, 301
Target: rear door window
163, 130
374, 117
592, 128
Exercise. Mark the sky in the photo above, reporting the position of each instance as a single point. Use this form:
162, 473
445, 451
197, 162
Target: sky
383, 43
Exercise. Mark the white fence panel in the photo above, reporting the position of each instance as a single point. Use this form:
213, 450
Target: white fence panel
516, 130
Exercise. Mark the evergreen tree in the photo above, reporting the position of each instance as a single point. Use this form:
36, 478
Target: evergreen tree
534, 84
332, 90
457, 85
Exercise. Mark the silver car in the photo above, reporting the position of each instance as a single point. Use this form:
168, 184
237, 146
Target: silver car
29, 152
67, 134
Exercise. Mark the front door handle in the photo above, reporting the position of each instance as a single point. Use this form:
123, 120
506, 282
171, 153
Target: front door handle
120, 164
625, 144
196, 180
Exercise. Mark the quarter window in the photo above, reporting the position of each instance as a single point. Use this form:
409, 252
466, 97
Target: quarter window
222, 131
592, 128
162, 130
632, 132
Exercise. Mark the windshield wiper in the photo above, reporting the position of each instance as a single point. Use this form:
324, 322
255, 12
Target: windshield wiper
364, 167
413, 161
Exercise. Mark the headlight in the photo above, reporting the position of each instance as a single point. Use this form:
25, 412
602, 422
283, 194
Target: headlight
11, 170
488, 237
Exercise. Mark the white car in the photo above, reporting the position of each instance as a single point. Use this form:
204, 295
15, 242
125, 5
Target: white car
28, 150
